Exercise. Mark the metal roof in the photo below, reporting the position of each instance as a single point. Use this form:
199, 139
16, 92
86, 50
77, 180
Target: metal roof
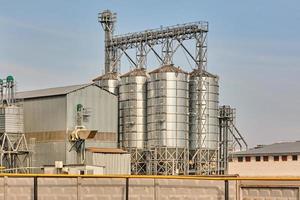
274, 149
50, 91
107, 76
105, 150
168, 68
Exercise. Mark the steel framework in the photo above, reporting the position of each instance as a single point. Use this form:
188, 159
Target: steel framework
163, 160
138, 161
230, 138
160, 160
144, 42
167, 161
14, 152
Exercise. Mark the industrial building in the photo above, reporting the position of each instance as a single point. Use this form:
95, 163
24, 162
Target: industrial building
50, 115
167, 119
278, 159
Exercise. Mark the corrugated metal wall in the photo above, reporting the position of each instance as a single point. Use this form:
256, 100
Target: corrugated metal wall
50, 119
45, 114
45, 153
103, 107
113, 163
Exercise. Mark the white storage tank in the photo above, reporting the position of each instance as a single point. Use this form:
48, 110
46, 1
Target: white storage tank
11, 119
108, 81
204, 101
133, 108
167, 108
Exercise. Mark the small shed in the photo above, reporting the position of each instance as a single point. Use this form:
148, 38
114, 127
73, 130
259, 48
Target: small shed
115, 161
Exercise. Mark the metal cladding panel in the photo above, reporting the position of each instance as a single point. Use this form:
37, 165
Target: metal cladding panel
204, 97
11, 119
101, 105
132, 111
167, 110
45, 114
46, 153
113, 163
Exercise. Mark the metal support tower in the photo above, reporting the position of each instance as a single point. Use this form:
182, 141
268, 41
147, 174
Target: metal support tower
14, 153
138, 161
230, 138
107, 20
167, 161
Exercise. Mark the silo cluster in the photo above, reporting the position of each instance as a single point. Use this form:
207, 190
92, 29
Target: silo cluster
168, 118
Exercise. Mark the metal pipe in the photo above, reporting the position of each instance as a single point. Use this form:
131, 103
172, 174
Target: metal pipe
218, 178
226, 195
35, 188
127, 189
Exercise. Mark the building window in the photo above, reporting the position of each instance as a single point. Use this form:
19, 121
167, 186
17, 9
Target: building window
240, 159
248, 158
284, 158
276, 158
230, 159
266, 158
257, 158
294, 157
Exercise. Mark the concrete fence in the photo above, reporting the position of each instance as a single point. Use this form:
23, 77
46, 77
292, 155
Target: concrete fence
37, 187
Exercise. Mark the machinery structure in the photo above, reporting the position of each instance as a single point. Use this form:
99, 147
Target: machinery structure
169, 119
80, 134
14, 152
230, 139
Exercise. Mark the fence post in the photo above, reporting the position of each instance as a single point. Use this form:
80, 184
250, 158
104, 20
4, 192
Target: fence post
127, 189
226, 190
35, 188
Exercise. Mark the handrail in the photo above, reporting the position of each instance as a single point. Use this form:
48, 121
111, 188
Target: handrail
220, 178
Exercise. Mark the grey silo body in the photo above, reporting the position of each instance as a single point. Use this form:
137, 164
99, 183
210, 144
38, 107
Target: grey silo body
204, 100
133, 108
108, 81
167, 108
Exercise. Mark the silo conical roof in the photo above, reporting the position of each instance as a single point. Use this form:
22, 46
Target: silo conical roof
107, 76
136, 72
168, 68
198, 72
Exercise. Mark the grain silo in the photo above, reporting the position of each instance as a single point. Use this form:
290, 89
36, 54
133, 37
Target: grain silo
108, 81
133, 116
204, 121
167, 121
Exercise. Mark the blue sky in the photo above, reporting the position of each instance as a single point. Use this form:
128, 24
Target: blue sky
254, 46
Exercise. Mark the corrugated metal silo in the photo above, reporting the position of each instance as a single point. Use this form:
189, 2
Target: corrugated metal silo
204, 97
108, 81
133, 116
167, 119
132, 107
203, 118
